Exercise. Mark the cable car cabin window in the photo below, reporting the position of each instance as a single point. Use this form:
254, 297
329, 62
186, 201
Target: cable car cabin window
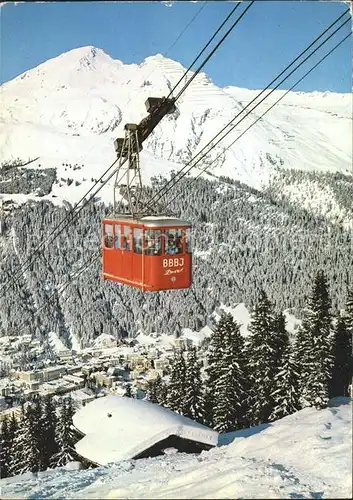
153, 242
137, 240
117, 238
126, 240
173, 243
108, 235
188, 241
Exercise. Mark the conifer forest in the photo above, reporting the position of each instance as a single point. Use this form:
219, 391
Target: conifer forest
244, 241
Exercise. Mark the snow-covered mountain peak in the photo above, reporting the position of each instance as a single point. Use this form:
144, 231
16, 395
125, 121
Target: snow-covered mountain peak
159, 58
87, 51
90, 57
78, 102
81, 67
162, 62
87, 59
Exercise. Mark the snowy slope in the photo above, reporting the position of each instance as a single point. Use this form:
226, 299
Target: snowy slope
305, 455
71, 108
242, 315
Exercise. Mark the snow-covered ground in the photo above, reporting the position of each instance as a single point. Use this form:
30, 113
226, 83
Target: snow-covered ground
55, 342
305, 455
241, 315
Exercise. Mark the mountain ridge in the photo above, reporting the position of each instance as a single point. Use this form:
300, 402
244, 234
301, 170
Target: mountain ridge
70, 108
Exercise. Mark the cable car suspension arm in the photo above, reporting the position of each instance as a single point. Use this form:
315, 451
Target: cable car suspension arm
128, 149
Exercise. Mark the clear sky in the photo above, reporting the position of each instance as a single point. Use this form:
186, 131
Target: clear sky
269, 36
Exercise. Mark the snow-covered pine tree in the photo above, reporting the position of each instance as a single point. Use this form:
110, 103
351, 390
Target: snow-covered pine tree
33, 452
70, 411
193, 402
281, 336
18, 445
26, 452
208, 405
348, 317
13, 428
176, 386
214, 359
341, 376
65, 437
348, 313
302, 352
285, 395
156, 391
162, 392
128, 391
37, 409
317, 357
262, 360
230, 391
48, 424
151, 393
5, 447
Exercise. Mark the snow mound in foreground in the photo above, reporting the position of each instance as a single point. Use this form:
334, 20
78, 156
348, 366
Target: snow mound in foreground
305, 455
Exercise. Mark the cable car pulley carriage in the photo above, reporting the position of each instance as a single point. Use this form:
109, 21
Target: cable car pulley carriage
140, 247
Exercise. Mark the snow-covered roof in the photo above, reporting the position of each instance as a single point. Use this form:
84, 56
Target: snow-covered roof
132, 427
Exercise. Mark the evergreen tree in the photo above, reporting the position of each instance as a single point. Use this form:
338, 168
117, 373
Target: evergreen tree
13, 426
342, 353
230, 392
176, 387
194, 403
128, 391
214, 361
18, 445
280, 336
151, 393
262, 360
317, 357
162, 392
26, 451
41, 443
5, 449
208, 405
65, 437
285, 395
156, 391
348, 316
302, 358
48, 425
70, 411
33, 450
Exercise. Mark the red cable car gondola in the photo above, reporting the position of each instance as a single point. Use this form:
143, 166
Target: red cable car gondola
152, 253
149, 252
